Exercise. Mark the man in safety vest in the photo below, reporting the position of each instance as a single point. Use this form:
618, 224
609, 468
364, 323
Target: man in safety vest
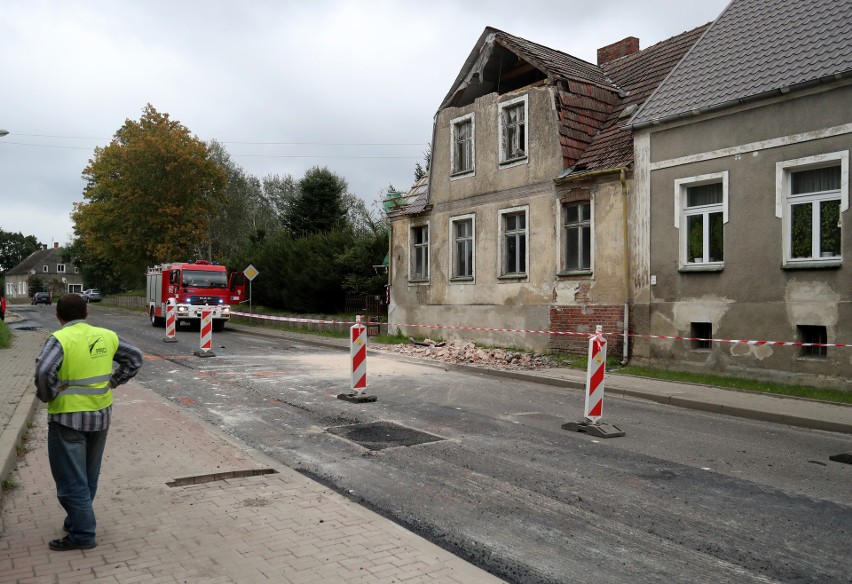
75, 378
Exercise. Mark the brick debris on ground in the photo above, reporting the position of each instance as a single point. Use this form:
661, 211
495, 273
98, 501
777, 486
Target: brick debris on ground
466, 352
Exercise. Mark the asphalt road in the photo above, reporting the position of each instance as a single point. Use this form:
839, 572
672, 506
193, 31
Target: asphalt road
490, 475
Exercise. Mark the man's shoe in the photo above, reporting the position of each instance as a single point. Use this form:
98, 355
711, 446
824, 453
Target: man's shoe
65, 544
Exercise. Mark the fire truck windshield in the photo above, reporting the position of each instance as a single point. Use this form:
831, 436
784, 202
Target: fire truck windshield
204, 279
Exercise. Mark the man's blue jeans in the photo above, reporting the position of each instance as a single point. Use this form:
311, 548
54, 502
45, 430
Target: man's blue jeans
75, 462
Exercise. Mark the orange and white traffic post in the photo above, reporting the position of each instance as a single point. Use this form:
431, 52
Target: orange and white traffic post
595, 382
206, 329
358, 362
170, 321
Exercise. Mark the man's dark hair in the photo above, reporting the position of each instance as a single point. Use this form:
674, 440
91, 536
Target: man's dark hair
71, 307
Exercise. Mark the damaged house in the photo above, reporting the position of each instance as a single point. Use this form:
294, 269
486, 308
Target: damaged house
526, 218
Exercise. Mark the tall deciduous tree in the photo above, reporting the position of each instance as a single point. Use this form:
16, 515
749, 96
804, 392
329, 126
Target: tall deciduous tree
280, 191
243, 214
150, 197
15, 247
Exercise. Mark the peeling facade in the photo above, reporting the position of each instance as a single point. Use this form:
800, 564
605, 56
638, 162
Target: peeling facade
524, 224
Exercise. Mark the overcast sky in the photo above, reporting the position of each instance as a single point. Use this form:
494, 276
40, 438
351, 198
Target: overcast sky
348, 85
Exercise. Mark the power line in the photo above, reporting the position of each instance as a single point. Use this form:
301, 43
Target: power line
45, 145
318, 156
236, 141
234, 155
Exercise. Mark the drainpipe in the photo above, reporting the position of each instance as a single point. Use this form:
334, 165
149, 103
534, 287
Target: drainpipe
626, 267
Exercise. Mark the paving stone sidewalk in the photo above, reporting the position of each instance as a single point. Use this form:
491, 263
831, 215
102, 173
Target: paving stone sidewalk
280, 527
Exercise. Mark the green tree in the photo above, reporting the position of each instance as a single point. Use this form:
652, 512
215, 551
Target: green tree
319, 204
243, 213
280, 192
370, 246
419, 169
150, 197
302, 274
15, 248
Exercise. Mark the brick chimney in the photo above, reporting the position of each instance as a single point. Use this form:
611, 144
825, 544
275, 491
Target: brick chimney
617, 50
55, 245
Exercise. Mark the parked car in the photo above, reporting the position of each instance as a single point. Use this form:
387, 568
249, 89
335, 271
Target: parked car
92, 295
40, 298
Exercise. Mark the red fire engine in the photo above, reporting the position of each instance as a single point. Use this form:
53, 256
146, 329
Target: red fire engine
194, 286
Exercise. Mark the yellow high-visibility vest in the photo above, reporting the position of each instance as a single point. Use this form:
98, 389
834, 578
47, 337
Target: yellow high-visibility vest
86, 368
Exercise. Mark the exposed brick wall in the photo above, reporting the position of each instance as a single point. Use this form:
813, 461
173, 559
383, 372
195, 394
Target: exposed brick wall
622, 48
583, 319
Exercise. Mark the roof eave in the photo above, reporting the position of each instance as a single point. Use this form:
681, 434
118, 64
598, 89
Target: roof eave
641, 125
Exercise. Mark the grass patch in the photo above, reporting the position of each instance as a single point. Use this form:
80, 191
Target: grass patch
5, 335
582, 361
804, 391
9, 485
397, 339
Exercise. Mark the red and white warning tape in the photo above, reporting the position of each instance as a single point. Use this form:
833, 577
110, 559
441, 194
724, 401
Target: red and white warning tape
555, 333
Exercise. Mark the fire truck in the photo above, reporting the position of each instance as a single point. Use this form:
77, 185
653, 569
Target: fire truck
194, 286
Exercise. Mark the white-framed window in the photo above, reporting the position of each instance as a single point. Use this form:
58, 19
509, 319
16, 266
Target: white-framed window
701, 211
60, 268
418, 268
463, 146
513, 131
811, 195
577, 236
463, 247
514, 251
45, 268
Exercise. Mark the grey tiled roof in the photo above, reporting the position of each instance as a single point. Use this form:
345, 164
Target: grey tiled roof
35, 260
754, 48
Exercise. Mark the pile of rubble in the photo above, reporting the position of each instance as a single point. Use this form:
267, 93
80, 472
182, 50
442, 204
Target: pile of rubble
468, 353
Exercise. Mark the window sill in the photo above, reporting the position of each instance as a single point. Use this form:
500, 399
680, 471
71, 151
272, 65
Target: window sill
569, 273
418, 281
462, 280
512, 277
461, 174
832, 263
513, 161
701, 268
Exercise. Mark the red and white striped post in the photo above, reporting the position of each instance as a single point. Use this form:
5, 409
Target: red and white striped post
170, 321
595, 377
358, 361
358, 354
595, 382
206, 329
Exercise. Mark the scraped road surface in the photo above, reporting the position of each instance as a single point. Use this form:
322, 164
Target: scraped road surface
480, 465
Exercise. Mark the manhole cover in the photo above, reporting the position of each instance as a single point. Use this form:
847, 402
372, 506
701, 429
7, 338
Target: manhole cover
378, 435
